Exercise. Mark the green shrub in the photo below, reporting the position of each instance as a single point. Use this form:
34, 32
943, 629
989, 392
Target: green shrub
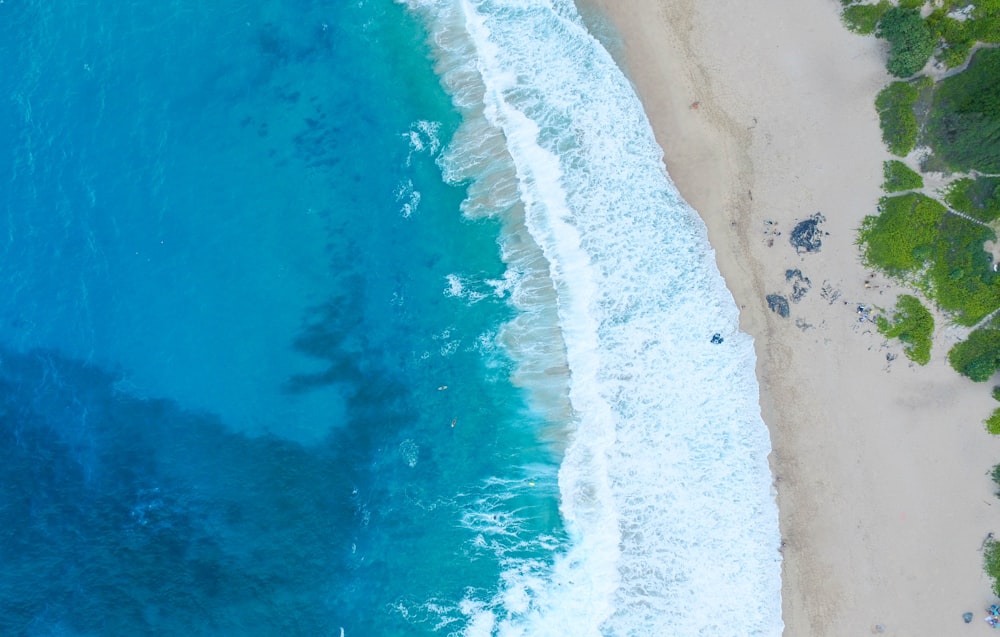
899, 177
979, 197
991, 559
977, 357
993, 422
910, 40
964, 124
957, 194
953, 55
895, 113
995, 474
996, 396
913, 325
863, 18
962, 276
900, 240
956, 37
985, 28
948, 29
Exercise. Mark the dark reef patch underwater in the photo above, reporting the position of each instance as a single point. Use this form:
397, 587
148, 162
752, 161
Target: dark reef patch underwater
130, 516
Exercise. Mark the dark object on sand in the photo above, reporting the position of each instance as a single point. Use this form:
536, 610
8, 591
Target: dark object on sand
967, 618
778, 304
800, 285
806, 235
717, 338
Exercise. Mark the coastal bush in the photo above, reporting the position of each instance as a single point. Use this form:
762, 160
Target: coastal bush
899, 177
957, 40
995, 474
910, 40
964, 124
900, 239
993, 422
985, 25
913, 325
895, 113
979, 197
863, 18
962, 273
977, 357
953, 55
991, 559
947, 28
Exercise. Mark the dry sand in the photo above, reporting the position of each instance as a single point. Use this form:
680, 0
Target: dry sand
881, 465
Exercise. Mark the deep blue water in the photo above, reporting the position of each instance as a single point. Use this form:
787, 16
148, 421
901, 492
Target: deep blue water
235, 397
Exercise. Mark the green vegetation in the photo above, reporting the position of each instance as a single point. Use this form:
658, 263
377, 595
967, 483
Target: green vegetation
911, 42
895, 113
956, 37
863, 18
913, 325
978, 198
996, 396
995, 474
915, 239
900, 240
964, 124
899, 177
993, 422
953, 55
985, 23
977, 357
991, 559
962, 276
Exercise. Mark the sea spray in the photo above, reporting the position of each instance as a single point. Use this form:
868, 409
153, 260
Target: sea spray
666, 491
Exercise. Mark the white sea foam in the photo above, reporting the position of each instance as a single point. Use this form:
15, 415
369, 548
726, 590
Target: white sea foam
424, 137
665, 489
409, 197
465, 288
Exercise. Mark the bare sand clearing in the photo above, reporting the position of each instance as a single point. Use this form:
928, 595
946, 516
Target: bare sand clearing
764, 111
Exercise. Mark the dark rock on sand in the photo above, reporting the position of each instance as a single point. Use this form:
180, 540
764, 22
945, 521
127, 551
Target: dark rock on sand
806, 235
778, 304
800, 285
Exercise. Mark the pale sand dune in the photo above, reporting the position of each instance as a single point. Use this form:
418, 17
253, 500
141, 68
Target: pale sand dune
882, 466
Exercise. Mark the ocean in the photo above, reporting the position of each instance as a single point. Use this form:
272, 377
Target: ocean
368, 318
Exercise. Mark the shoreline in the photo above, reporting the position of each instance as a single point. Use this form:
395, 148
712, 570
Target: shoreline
766, 116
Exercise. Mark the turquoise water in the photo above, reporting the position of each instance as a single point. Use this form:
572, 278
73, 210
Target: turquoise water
240, 393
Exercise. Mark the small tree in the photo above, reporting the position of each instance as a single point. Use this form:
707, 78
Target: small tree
993, 426
991, 559
910, 40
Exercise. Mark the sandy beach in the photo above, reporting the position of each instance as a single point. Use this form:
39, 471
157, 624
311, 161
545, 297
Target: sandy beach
764, 111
